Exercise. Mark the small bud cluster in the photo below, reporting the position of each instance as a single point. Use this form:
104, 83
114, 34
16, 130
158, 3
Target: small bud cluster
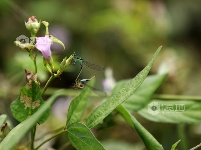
42, 44
32, 25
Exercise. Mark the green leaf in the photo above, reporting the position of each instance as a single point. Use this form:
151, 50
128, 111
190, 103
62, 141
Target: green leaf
54, 39
28, 103
82, 138
2, 119
185, 111
150, 142
175, 145
120, 96
77, 105
121, 144
17, 133
144, 93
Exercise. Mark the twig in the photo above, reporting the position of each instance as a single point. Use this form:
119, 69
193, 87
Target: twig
49, 139
33, 132
45, 134
46, 85
199, 145
176, 97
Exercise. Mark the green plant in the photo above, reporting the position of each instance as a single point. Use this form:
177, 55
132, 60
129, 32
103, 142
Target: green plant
134, 95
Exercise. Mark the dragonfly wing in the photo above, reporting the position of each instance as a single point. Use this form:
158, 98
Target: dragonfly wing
93, 66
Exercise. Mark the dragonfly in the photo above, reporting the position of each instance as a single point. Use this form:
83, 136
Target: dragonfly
86, 63
80, 84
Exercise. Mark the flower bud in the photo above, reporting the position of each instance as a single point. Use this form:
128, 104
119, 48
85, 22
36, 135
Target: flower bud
63, 64
69, 60
46, 24
32, 25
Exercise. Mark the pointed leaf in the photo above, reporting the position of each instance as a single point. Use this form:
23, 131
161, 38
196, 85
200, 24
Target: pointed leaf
77, 105
144, 93
175, 145
150, 142
54, 39
185, 111
28, 103
120, 96
82, 138
17, 133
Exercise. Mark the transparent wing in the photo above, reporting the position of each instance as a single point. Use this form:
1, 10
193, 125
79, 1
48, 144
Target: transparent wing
93, 66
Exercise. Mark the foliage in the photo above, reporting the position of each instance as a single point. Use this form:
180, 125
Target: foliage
175, 145
78, 133
133, 100
28, 103
120, 96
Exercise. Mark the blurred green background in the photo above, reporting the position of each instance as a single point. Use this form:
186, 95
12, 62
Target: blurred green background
120, 34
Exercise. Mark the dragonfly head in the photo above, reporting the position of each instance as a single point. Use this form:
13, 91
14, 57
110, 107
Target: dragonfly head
76, 58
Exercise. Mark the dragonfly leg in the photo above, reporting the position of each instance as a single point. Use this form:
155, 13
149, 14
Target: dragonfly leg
79, 73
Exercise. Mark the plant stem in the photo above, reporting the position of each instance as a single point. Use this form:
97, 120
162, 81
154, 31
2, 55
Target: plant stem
49, 139
33, 137
47, 83
175, 97
199, 145
35, 65
182, 136
53, 131
33, 131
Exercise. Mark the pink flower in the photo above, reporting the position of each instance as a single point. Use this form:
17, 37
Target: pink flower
43, 44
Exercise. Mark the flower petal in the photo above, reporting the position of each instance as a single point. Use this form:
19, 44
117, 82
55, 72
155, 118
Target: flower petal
43, 44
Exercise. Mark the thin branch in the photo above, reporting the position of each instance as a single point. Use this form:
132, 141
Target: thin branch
35, 65
59, 133
47, 84
45, 134
176, 97
199, 145
33, 133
